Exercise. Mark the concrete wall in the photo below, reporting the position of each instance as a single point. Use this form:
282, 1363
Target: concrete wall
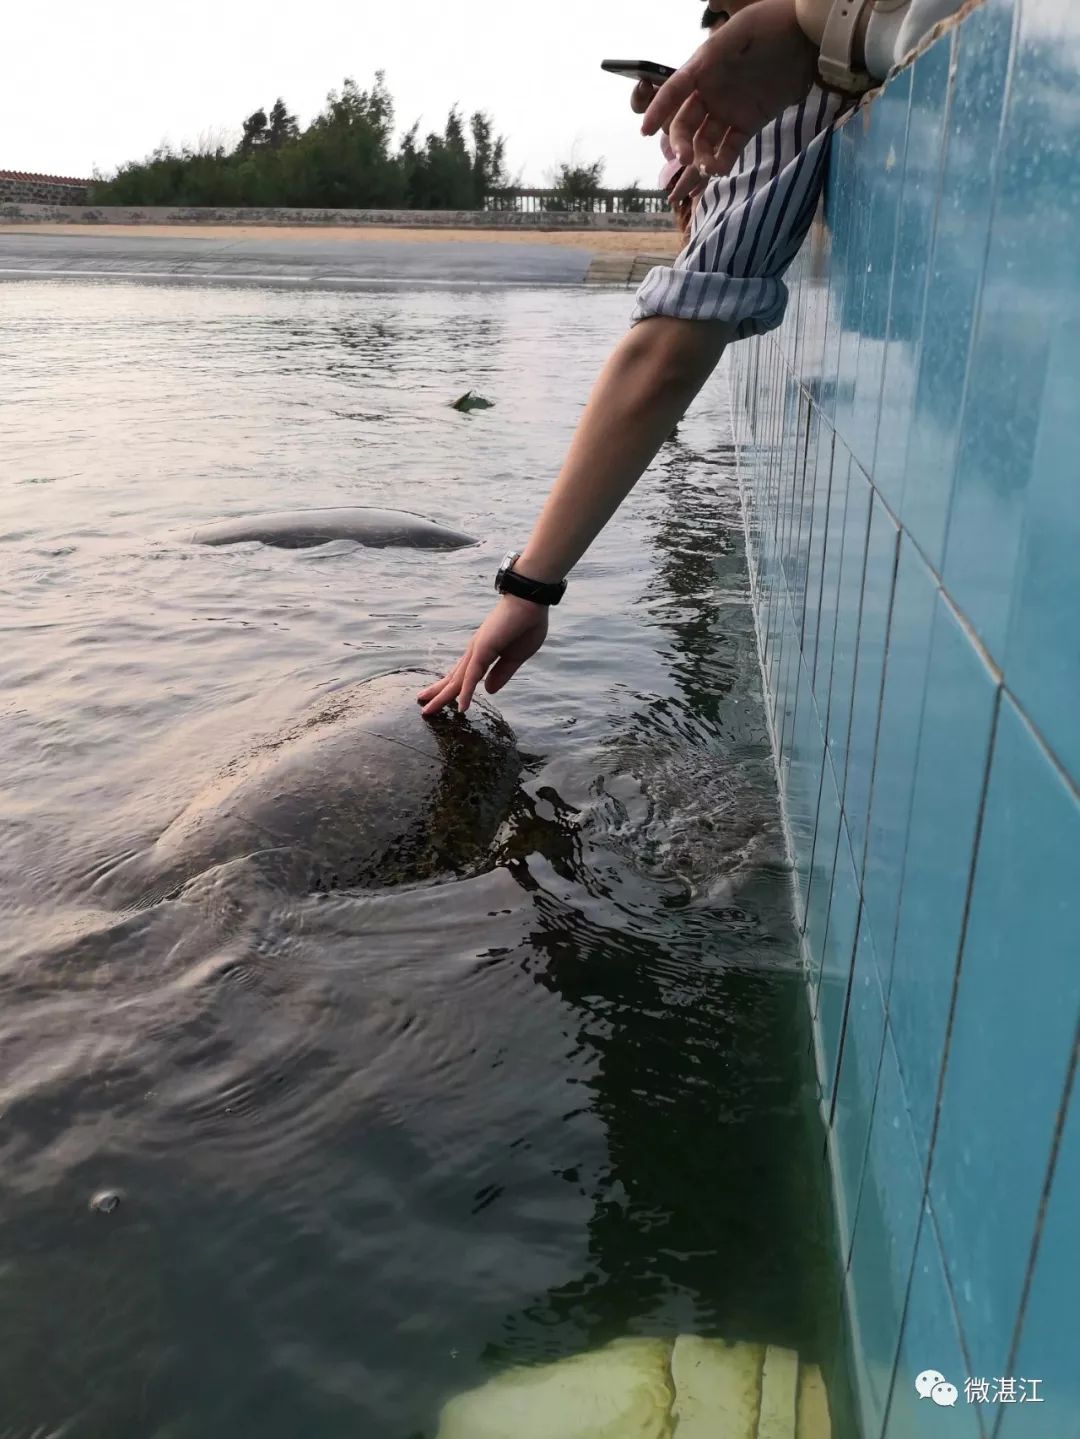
414, 219
909, 449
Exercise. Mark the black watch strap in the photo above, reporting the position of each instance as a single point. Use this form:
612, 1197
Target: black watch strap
509, 582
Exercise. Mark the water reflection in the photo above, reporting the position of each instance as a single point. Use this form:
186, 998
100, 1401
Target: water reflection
721, 1237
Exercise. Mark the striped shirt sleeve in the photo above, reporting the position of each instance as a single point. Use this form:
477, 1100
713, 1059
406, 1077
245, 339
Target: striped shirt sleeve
749, 225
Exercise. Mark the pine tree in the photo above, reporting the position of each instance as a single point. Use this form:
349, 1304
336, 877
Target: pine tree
283, 126
255, 132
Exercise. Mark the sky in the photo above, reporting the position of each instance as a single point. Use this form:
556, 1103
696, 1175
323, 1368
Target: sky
95, 85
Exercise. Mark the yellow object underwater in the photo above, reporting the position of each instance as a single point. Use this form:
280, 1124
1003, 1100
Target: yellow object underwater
650, 1389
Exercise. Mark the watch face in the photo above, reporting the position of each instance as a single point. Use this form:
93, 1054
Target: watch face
506, 566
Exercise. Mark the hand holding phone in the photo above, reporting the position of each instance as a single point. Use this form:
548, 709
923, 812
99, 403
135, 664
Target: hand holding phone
649, 73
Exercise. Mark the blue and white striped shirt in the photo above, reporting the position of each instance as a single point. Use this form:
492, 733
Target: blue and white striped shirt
748, 226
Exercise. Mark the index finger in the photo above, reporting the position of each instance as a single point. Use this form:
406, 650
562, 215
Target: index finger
669, 100
474, 673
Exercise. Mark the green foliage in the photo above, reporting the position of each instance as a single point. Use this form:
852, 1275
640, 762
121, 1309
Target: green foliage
283, 127
345, 159
255, 132
631, 200
576, 186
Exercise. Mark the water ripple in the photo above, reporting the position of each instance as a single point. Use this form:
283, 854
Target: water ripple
369, 1146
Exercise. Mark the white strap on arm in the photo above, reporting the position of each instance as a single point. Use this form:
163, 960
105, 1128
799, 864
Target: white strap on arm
836, 63
837, 34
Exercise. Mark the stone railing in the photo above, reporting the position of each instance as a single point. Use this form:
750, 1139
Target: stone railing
603, 202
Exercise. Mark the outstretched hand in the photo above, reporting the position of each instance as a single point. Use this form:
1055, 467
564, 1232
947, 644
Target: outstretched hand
747, 71
512, 633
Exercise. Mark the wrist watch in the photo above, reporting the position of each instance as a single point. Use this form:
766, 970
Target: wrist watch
509, 582
836, 61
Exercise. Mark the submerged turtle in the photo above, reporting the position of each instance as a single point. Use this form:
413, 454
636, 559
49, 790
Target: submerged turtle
360, 792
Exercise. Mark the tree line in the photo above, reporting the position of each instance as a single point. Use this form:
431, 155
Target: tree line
345, 159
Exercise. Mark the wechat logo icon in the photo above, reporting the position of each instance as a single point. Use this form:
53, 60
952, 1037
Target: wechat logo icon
933, 1385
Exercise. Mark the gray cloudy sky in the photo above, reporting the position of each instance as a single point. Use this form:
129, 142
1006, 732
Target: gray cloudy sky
102, 83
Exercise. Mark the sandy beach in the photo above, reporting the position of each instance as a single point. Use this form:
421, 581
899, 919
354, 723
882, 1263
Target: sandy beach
594, 242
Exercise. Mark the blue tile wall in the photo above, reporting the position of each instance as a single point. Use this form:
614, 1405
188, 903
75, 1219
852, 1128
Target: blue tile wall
1047, 1348
954, 745
835, 531
857, 1084
1013, 1036
956, 273
886, 1229
906, 661
881, 554
838, 955
910, 457
848, 612
1043, 657
879, 158
930, 1341
918, 184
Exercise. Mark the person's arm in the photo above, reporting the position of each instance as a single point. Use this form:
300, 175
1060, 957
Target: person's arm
812, 15
764, 59
643, 391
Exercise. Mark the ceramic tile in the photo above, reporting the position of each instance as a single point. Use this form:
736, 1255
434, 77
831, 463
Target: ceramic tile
816, 290
1030, 287
918, 212
1043, 658
856, 262
815, 556
841, 218
804, 782
830, 578
897, 747
848, 609
823, 865
860, 1059
930, 1341
796, 283
1043, 661
954, 748
1047, 1350
786, 685
792, 682
881, 154
881, 555
838, 954
1017, 1007
795, 474
884, 1244
956, 274
802, 526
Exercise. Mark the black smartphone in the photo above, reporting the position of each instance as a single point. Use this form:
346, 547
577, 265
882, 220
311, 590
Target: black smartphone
638, 70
